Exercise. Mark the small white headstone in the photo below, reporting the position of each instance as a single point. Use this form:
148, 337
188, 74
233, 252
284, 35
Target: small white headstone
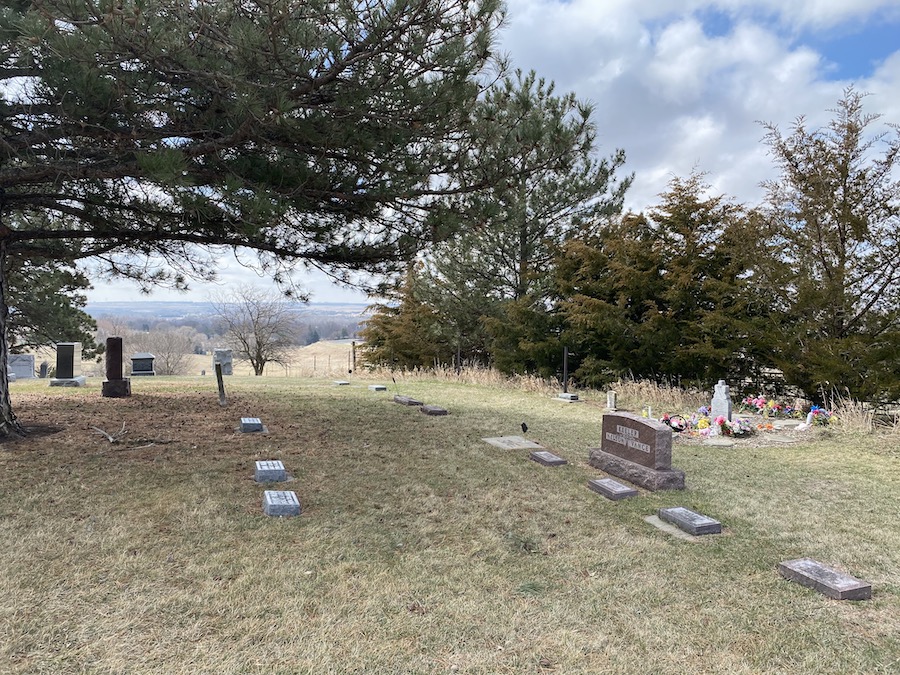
721, 403
250, 424
281, 503
270, 471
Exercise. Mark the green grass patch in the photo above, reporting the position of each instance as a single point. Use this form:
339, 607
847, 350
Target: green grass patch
421, 549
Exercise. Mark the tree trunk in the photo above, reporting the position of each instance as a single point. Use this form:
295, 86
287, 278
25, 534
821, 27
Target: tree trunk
8, 424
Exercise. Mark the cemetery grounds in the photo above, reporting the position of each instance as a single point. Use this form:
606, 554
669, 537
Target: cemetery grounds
132, 539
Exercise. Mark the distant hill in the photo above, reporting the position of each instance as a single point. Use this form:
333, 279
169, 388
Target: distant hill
182, 310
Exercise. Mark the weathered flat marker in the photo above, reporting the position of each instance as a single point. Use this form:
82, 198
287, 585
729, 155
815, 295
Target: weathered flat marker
250, 424
281, 503
433, 410
565, 396
377, 387
270, 471
341, 383
826, 580
513, 443
692, 523
406, 400
611, 489
547, 458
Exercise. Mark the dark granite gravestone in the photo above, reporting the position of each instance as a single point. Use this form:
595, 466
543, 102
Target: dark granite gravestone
433, 410
689, 521
826, 580
142, 364
115, 386
281, 503
638, 450
22, 365
547, 458
270, 471
68, 365
251, 424
611, 489
225, 357
45, 368
406, 400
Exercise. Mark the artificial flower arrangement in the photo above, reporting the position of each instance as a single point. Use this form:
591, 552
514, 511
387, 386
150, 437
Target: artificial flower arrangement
768, 407
700, 424
737, 427
820, 416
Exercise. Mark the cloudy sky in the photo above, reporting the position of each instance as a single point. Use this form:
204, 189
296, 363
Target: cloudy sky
683, 84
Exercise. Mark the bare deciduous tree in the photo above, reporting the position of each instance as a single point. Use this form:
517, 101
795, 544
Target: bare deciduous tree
260, 326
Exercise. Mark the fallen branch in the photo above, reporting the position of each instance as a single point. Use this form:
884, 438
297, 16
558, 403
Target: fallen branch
112, 438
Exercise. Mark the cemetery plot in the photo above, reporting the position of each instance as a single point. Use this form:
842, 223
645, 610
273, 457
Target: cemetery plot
513, 443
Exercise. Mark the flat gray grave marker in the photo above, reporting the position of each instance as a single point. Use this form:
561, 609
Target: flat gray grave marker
567, 397
547, 458
377, 387
433, 410
251, 424
611, 489
513, 443
719, 441
270, 471
689, 521
341, 383
406, 400
826, 580
281, 503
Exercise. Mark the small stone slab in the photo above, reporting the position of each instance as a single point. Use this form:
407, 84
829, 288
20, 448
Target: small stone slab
251, 424
377, 387
406, 400
281, 503
341, 383
826, 580
547, 458
270, 471
567, 397
611, 489
513, 443
433, 410
692, 523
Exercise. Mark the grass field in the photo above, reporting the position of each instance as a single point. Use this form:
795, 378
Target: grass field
420, 548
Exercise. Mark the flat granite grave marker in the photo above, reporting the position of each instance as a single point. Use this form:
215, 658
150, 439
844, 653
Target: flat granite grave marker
270, 471
689, 521
565, 396
433, 410
513, 443
611, 489
406, 400
68, 365
251, 424
341, 383
281, 503
377, 387
547, 458
637, 449
826, 580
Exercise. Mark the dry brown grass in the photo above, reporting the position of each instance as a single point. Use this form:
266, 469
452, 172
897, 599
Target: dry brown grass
420, 549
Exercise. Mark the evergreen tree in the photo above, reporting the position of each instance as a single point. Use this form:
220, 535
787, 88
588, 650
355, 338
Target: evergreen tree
142, 132
663, 295
833, 229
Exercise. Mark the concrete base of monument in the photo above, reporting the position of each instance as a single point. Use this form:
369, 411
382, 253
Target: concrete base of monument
651, 479
116, 388
79, 381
